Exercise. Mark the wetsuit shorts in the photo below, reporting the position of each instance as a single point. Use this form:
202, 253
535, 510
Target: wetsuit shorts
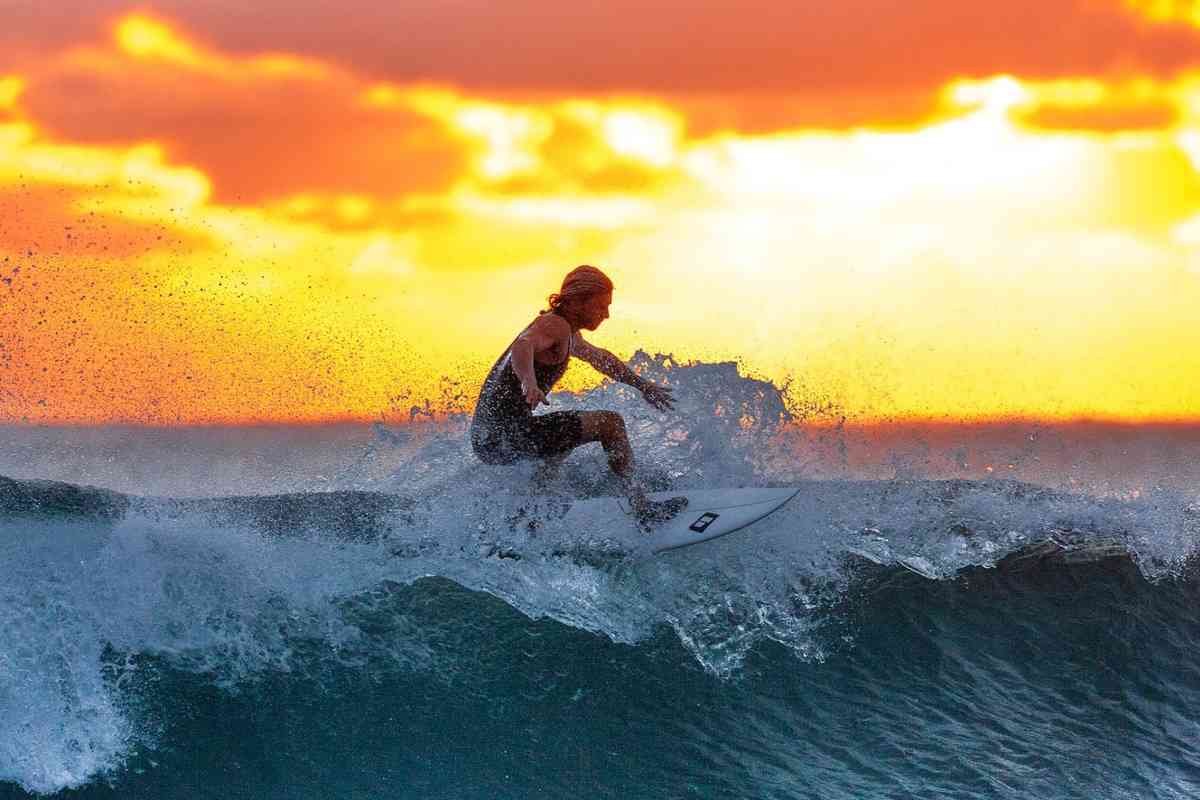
535, 436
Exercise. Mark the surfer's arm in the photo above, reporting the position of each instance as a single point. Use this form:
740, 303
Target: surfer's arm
521, 355
608, 364
539, 337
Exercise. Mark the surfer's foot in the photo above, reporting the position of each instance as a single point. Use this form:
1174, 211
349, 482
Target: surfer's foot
651, 513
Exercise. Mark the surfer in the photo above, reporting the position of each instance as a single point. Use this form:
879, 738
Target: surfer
505, 429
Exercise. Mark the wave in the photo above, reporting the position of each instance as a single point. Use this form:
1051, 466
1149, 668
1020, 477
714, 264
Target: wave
398, 570
235, 588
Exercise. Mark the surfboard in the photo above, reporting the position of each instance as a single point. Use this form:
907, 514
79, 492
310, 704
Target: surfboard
710, 513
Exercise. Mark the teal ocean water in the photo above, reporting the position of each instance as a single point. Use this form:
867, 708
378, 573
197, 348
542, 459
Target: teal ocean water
198, 614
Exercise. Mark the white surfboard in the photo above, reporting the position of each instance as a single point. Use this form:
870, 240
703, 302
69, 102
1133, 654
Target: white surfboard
710, 513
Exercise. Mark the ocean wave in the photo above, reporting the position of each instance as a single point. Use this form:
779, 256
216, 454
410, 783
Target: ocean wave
411, 554
235, 588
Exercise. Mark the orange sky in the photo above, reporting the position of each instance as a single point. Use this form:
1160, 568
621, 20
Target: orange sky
211, 213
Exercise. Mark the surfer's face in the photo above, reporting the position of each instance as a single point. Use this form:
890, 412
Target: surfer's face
595, 310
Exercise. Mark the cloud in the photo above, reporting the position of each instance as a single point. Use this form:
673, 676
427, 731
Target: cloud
712, 45
1088, 104
806, 50
259, 127
1105, 117
307, 135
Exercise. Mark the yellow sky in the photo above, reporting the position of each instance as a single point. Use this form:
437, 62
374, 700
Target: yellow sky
197, 234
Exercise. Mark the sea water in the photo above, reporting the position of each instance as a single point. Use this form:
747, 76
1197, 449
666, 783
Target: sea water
365, 612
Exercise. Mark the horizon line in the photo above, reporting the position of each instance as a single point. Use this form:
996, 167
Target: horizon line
824, 422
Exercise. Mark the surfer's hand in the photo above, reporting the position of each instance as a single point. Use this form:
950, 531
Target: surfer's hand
534, 396
658, 396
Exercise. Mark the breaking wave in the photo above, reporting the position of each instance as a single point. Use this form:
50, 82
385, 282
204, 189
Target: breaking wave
416, 566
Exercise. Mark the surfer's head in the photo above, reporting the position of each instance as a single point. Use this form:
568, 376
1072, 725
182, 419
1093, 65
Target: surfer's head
584, 298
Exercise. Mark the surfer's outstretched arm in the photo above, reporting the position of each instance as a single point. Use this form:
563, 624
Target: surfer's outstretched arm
608, 364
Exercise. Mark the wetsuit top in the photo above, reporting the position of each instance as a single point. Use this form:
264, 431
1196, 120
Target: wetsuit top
501, 401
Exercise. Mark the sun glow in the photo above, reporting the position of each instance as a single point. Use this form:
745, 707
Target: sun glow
148, 38
511, 137
11, 87
1187, 11
647, 135
1032, 247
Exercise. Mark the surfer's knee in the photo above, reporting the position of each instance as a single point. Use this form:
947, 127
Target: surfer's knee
614, 423
607, 427
616, 443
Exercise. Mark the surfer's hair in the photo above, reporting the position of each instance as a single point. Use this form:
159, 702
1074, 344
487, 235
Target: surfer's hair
580, 283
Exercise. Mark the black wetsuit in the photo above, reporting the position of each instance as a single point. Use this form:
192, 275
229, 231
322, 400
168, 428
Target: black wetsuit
505, 430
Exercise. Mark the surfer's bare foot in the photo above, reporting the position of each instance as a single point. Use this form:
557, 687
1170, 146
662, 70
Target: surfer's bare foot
651, 513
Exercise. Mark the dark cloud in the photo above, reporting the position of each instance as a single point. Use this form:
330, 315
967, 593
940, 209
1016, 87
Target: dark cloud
844, 64
1104, 117
257, 138
763, 112
698, 45
31, 27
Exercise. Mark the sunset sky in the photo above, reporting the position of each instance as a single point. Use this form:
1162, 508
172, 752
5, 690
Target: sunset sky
227, 212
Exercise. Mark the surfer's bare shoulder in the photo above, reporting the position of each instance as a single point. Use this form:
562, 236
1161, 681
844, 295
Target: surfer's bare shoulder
549, 332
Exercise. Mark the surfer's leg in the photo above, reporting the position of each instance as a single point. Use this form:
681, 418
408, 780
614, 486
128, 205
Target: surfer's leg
551, 437
608, 428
